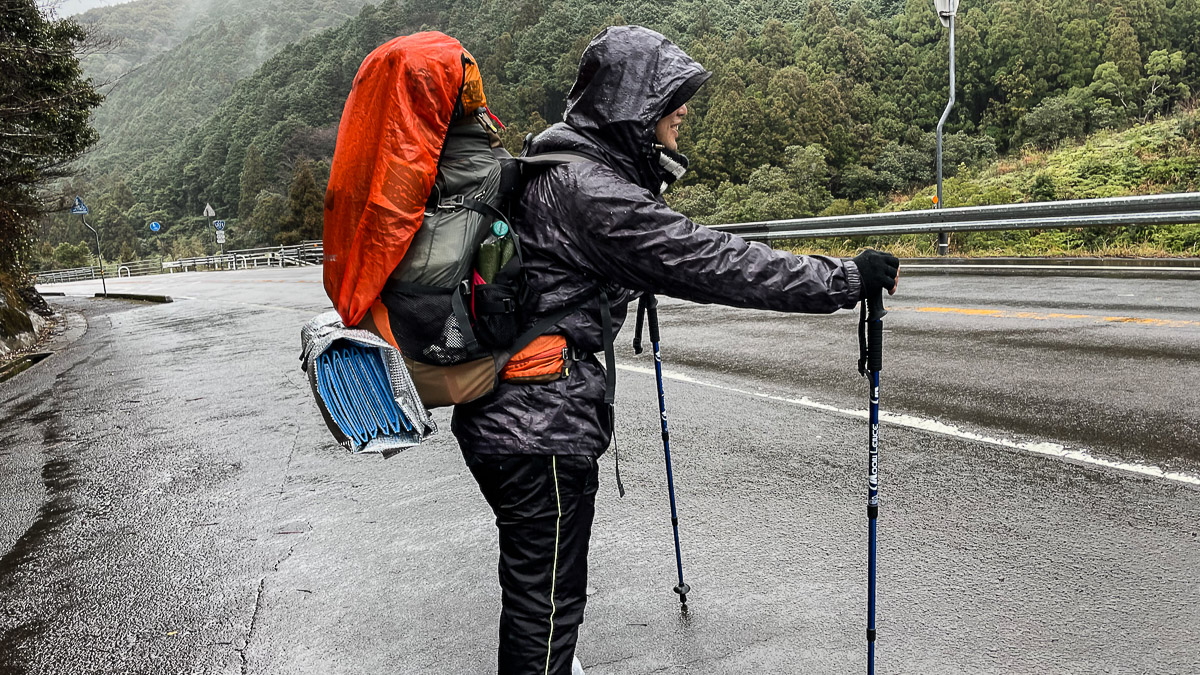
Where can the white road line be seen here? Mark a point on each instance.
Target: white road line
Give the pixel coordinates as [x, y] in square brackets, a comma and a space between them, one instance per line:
[1044, 449]
[1061, 268]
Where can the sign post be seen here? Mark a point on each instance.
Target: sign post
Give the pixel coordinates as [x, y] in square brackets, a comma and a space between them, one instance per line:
[155, 227]
[209, 213]
[220, 227]
[81, 210]
[946, 11]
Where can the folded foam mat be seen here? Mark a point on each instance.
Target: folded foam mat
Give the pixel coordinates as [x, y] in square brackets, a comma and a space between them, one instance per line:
[395, 417]
[359, 397]
[362, 387]
[364, 392]
[388, 416]
[332, 405]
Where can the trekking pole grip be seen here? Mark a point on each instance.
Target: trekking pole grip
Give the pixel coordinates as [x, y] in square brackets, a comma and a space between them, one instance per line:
[875, 313]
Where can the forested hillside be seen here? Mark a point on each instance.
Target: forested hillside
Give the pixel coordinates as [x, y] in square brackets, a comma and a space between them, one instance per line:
[138, 31]
[1153, 158]
[176, 60]
[814, 106]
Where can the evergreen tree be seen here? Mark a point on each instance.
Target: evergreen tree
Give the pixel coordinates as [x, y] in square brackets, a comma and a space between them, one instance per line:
[44, 106]
[112, 216]
[254, 179]
[1081, 49]
[1123, 49]
[262, 225]
[304, 211]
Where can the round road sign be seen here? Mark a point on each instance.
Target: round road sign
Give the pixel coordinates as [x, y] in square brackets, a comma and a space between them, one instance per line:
[155, 227]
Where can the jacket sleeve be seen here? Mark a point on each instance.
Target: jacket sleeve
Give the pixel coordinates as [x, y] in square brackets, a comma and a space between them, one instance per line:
[626, 235]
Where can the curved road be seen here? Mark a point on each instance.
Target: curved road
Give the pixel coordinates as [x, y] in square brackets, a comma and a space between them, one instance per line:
[173, 502]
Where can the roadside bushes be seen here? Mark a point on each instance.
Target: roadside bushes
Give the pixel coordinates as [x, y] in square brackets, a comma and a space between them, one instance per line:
[1053, 120]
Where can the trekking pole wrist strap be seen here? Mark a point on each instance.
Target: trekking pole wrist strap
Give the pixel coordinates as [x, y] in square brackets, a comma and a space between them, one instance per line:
[652, 316]
[610, 356]
[862, 339]
[637, 327]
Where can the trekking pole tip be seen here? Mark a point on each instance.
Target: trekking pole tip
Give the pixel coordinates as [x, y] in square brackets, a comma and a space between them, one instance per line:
[683, 589]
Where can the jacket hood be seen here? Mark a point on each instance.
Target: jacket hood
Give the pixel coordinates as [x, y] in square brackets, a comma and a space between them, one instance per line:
[629, 77]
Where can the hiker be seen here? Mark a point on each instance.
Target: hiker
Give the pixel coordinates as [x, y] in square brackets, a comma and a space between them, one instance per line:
[598, 232]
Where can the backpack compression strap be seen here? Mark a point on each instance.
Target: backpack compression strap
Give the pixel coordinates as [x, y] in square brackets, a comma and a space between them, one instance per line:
[610, 380]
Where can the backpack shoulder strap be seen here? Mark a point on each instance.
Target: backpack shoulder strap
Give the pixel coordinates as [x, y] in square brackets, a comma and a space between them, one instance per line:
[547, 160]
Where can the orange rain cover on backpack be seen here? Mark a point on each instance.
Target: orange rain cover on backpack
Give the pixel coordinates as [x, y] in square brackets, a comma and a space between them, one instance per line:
[390, 137]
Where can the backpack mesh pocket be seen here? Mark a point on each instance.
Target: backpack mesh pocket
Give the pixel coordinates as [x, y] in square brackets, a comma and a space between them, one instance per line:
[426, 325]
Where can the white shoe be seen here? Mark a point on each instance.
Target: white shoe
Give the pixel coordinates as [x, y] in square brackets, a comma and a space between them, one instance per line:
[576, 667]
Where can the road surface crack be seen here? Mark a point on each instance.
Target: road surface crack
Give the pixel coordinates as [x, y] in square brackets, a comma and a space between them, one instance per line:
[262, 582]
[258, 605]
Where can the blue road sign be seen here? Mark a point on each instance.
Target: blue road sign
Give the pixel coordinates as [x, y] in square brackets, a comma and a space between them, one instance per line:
[155, 227]
[79, 209]
[219, 224]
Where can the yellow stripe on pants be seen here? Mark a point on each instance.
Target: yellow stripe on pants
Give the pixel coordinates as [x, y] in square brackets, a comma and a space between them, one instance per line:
[554, 569]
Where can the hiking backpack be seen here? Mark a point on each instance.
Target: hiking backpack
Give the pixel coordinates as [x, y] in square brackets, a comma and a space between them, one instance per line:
[418, 249]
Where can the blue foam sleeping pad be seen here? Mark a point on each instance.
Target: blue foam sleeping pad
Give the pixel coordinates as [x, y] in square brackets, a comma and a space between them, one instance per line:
[353, 383]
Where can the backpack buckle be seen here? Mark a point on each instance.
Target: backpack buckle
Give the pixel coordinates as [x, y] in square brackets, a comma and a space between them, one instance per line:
[452, 203]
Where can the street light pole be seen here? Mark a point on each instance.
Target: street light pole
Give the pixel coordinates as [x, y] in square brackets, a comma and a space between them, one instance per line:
[99, 257]
[946, 10]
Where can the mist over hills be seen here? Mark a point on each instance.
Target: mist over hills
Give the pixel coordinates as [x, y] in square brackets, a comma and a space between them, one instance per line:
[177, 60]
[814, 106]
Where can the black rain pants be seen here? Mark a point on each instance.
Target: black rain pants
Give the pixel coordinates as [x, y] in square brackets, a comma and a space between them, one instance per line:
[544, 506]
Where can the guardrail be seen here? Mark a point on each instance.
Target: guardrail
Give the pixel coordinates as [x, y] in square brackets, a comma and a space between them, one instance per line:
[302, 254]
[1170, 209]
[61, 276]
[135, 268]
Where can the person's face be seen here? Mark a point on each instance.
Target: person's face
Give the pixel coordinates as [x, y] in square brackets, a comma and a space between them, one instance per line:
[667, 129]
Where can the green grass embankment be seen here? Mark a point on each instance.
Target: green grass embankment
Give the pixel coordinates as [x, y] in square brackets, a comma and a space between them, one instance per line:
[1155, 158]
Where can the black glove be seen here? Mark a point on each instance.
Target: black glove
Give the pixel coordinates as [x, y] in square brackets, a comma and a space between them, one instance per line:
[878, 271]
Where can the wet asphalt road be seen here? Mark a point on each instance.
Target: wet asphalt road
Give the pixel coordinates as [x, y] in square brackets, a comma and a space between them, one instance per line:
[173, 504]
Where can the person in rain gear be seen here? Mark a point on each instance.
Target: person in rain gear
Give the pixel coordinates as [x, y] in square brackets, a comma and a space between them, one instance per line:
[602, 225]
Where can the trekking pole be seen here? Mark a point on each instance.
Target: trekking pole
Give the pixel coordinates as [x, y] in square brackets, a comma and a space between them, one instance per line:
[870, 362]
[648, 306]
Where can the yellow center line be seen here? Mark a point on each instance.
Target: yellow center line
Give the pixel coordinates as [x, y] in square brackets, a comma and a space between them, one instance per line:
[1046, 316]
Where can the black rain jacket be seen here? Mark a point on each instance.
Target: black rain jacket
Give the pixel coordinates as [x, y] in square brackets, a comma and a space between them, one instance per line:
[603, 224]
